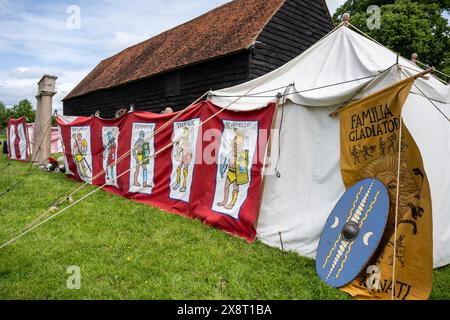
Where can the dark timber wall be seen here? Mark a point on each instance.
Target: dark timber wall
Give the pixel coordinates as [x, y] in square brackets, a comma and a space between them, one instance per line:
[294, 28]
[151, 94]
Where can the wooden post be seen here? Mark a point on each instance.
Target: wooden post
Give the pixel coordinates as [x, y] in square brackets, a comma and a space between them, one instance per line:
[346, 19]
[414, 57]
[43, 122]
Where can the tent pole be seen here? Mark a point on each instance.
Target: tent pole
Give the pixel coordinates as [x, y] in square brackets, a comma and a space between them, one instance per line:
[397, 197]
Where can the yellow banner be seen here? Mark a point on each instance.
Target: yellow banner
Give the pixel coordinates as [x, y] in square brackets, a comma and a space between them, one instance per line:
[370, 148]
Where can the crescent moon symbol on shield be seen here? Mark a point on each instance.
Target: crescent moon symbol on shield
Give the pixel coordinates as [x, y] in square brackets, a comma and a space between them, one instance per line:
[336, 223]
[367, 237]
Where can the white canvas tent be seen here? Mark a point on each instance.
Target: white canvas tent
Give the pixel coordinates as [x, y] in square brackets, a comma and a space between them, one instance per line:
[296, 205]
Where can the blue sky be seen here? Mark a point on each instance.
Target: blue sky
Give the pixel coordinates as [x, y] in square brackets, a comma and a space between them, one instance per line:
[36, 38]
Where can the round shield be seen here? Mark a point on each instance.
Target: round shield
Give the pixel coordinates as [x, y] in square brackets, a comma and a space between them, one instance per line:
[352, 232]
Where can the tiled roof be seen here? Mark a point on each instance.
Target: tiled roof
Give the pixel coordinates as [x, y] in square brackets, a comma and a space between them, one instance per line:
[224, 30]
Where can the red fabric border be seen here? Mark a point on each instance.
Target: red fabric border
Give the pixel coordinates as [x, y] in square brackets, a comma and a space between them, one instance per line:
[204, 176]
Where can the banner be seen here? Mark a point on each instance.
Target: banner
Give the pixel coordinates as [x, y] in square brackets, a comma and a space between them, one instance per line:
[17, 139]
[212, 172]
[55, 146]
[370, 147]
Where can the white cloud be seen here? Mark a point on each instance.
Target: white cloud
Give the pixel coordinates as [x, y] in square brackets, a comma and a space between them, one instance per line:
[21, 83]
[13, 90]
[34, 38]
[26, 73]
[121, 40]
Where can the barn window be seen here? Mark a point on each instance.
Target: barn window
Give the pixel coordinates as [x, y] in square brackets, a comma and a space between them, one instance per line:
[173, 85]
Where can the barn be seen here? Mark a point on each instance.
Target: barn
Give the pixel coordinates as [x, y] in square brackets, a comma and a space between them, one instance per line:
[236, 42]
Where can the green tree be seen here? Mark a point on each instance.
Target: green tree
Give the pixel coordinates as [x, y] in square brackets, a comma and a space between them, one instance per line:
[407, 26]
[4, 116]
[357, 6]
[24, 109]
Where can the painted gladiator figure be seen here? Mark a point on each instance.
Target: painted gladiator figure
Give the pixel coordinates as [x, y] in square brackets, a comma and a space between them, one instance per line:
[110, 154]
[183, 154]
[80, 151]
[237, 170]
[141, 152]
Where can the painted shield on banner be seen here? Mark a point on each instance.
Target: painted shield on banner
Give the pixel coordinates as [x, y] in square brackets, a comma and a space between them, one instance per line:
[352, 232]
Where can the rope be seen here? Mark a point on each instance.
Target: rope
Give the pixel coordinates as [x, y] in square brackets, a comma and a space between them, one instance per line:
[369, 37]
[125, 172]
[122, 157]
[277, 166]
[59, 200]
[5, 167]
[336, 112]
[335, 84]
[302, 91]
[253, 95]
[72, 186]
[47, 127]
[429, 99]
[67, 196]
[29, 172]
[440, 72]
[414, 70]
[53, 206]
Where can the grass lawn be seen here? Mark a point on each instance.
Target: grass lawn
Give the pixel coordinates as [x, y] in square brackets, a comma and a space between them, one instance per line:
[132, 251]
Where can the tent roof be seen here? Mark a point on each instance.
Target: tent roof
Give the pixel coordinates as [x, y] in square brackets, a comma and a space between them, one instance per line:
[310, 156]
[227, 29]
[343, 55]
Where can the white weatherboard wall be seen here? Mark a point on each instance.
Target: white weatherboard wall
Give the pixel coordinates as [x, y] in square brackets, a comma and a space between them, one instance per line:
[298, 203]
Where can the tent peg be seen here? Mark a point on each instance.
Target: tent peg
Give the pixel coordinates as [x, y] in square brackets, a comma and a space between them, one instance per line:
[281, 241]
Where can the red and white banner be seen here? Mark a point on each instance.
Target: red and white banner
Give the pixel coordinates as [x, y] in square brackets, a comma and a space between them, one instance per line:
[212, 172]
[55, 145]
[17, 139]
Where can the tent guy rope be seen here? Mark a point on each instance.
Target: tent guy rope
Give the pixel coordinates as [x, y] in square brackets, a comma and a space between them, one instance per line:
[427, 66]
[429, 99]
[398, 55]
[336, 112]
[418, 75]
[123, 173]
[30, 170]
[299, 91]
[126, 154]
[66, 196]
